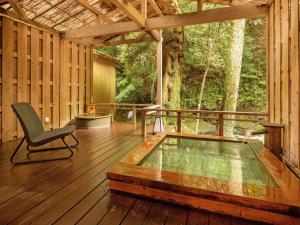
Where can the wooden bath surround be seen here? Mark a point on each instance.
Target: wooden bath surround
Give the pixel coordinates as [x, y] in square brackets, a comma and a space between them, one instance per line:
[276, 205]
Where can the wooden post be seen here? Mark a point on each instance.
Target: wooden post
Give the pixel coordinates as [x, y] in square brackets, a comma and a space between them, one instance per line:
[273, 138]
[179, 120]
[199, 5]
[134, 114]
[159, 99]
[144, 128]
[221, 124]
[113, 110]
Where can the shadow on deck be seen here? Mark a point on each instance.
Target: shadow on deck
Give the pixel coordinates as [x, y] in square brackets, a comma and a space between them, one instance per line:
[76, 190]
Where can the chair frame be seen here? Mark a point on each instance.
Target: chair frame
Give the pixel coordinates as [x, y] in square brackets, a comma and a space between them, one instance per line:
[67, 146]
[27, 116]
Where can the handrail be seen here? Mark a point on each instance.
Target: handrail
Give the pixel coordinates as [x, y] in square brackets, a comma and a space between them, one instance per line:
[123, 106]
[211, 112]
[221, 117]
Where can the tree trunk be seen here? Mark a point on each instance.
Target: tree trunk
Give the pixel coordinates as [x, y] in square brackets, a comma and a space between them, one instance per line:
[200, 96]
[233, 71]
[172, 57]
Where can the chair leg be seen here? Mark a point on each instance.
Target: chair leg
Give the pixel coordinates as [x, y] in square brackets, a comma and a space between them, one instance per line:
[67, 147]
[16, 150]
[75, 139]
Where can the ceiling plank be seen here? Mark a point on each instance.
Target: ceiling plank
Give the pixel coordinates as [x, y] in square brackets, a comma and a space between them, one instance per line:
[130, 11]
[155, 7]
[201, 17]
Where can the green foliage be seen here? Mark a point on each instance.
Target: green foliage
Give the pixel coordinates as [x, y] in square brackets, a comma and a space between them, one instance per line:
[135, 71]
[137, 66]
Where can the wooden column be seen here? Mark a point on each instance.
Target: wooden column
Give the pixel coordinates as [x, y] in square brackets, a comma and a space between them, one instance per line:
[199, 5]
[221, 124]
[273, 138]
[159, 99]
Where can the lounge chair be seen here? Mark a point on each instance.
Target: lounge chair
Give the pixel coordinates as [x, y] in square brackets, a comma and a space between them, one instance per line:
[35, 135]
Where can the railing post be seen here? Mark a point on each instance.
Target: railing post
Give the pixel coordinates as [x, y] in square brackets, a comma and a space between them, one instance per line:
[221, 124]
[144, 128]
[113, 112]
[179, 120]
[134, 114]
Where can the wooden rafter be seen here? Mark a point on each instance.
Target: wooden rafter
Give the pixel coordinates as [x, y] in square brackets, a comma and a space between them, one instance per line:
[122, 42]
[89, 7]
[202, 17]
[130, 11]
[16, 6]
[155, 7]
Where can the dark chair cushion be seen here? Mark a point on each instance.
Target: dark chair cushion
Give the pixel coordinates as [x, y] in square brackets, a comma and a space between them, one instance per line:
[46, 137]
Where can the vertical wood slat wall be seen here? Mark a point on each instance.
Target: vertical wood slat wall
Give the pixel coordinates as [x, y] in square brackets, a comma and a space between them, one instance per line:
[75, 79]
[104, 79]
[283, 82]
[32, 70]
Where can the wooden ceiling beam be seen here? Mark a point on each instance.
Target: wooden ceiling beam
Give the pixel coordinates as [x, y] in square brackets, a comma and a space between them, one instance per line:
[155, 7]
[155, 34]
[201, 17]
[86, 5]
[16, 6]
[122, 42]
[89, 7]
[130, 11]
[237, 2]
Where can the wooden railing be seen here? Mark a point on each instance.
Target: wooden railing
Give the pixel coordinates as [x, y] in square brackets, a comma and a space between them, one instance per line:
[112, 107]
[219, 116]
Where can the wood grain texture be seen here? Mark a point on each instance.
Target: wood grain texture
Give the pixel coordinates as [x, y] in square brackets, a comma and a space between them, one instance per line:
[75, 191]
[283, 75]
[7, 79]
[35, 71]
[104, 79]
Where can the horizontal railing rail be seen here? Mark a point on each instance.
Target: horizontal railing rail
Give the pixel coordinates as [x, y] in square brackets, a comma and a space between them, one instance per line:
[112, 107]
[219, 116]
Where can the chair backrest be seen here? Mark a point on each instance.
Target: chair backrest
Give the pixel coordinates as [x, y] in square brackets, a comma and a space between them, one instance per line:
[30, 122]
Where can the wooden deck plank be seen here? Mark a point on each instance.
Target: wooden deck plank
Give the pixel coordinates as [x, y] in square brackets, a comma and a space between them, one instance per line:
[63, 179]
[177, 216]
[215, 219]
[76, 191]
[43, 171]
[158, 214]
[118, 211]
[138, 214]
[99, 210]
[197, 217]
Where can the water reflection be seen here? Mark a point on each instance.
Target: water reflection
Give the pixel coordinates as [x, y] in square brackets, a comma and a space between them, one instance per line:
[224, 160]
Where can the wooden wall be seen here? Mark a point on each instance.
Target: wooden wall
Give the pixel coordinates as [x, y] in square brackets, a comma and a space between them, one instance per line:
[75, 79]
[283, 70]
[31, 71]
[104, 79]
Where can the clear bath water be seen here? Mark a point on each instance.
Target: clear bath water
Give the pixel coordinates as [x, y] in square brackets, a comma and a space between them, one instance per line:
[225, 160]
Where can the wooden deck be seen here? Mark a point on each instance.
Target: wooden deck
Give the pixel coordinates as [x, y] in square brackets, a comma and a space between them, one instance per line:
[76, 191]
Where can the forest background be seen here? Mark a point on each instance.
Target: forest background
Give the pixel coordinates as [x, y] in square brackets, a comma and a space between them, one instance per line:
[217, 66]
